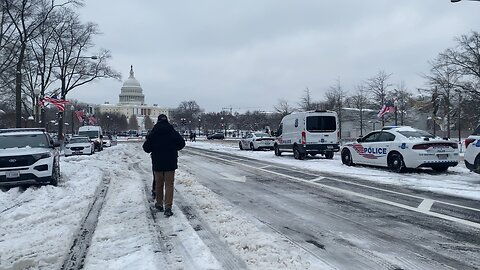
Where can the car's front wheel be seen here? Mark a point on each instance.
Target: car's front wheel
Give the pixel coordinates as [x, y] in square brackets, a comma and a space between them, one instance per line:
[277, 150]
[396, 163]
[347, 157]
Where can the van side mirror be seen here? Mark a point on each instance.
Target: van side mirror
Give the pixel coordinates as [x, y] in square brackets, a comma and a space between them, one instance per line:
[360, 139]
[101, 136]
[274, 133]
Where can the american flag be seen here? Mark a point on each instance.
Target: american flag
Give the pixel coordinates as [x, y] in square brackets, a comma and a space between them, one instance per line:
[80, 115]
[59, 103]
[92, 120]
[387, 108]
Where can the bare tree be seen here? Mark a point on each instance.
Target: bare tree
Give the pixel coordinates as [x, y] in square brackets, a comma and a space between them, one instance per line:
[443, 79]
[283, 108]
[359, 101]
[306, 103]
[335, 100]
[465, 59]
[75, 38]
[27, 16]
[403, 100]
[379, 87]
[187, 110]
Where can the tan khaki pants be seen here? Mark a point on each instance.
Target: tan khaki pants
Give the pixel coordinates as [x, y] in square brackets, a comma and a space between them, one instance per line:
[164, 179]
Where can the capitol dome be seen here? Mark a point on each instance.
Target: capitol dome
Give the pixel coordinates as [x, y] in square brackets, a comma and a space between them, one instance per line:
[131, 92]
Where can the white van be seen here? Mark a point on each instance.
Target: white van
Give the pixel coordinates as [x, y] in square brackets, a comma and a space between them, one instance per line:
[94, 133]
[311, 132]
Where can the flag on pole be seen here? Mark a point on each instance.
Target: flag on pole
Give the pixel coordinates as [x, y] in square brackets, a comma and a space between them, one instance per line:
[79, 115]
[386, 108]
[59, 103]
[92, 120]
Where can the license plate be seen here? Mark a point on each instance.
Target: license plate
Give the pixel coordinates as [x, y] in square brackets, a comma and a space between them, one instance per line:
[12, 174]
[442, 156]
[77, 152]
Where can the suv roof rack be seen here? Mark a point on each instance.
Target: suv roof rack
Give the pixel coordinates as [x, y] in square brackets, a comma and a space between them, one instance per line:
[21, 130]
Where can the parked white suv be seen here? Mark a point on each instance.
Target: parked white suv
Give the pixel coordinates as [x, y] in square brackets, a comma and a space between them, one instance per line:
[28, 156]
[472, 154]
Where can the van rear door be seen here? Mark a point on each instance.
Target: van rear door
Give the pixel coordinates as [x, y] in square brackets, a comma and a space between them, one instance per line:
[321, 129]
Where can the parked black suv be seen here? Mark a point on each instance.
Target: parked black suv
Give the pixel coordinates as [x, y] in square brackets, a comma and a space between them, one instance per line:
[28, 156]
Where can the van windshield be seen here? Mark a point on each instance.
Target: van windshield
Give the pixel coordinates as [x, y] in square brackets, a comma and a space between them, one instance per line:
[321, 123]
[92, 134]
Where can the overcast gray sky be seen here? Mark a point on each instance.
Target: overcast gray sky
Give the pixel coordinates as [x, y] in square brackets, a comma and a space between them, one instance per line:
[249, 54]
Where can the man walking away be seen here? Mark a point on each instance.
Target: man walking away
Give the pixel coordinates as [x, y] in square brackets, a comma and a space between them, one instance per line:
[164, 142]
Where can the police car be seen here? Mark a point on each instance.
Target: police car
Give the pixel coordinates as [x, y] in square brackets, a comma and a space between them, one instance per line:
[472, 154]
[79, 146]
[28, 156]
[399, 148]
[255, 141]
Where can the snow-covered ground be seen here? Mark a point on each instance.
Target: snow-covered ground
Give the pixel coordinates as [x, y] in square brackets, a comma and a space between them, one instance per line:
[39, 224]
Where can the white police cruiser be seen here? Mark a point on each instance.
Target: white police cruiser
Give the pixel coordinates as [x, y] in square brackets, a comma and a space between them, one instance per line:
[472, 154]
[79, 146]
[399, 148]
[28, 156]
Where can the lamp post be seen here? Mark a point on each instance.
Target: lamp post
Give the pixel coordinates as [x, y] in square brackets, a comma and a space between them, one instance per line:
[36, 104]
[223, 126]
[199, 124]
[73, 111]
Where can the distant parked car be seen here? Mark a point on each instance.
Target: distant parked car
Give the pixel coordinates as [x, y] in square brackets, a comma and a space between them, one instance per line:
[217, 135]
[256, 141]
[79, 146]
[399, 148]
[472, 154]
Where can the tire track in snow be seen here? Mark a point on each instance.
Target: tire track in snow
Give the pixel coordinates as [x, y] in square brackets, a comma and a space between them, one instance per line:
[78, 251]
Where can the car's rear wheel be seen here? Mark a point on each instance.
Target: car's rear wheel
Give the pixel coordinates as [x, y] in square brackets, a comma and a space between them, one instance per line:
[277, 151]
[252, 147]
[347, 157]
[297, 154]
[396, 163]
[240, 146]
[329, 155]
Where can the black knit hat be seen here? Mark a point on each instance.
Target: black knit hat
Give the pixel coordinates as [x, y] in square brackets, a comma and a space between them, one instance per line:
[162, 118]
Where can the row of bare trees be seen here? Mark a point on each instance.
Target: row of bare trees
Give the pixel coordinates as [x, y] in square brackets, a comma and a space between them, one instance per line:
[44, 45]
[451, 98]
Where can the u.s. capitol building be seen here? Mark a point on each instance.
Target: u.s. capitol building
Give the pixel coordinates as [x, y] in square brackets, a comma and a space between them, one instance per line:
[132, 102]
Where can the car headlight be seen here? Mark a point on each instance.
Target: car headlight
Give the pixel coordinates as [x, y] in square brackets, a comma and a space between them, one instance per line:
[42, 155]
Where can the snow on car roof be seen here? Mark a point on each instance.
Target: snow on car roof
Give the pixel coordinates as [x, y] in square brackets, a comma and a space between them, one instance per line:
[12, 133]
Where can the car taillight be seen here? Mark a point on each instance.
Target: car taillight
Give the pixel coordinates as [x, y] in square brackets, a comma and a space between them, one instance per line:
[468, 141]
[421, 146]
[304, 137]
[433, 145]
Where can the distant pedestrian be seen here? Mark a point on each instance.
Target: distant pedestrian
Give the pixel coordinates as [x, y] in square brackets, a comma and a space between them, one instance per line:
[164, 142]
[194, 136]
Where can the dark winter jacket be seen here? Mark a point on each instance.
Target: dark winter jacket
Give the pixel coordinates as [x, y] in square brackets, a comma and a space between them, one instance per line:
[164, 142]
